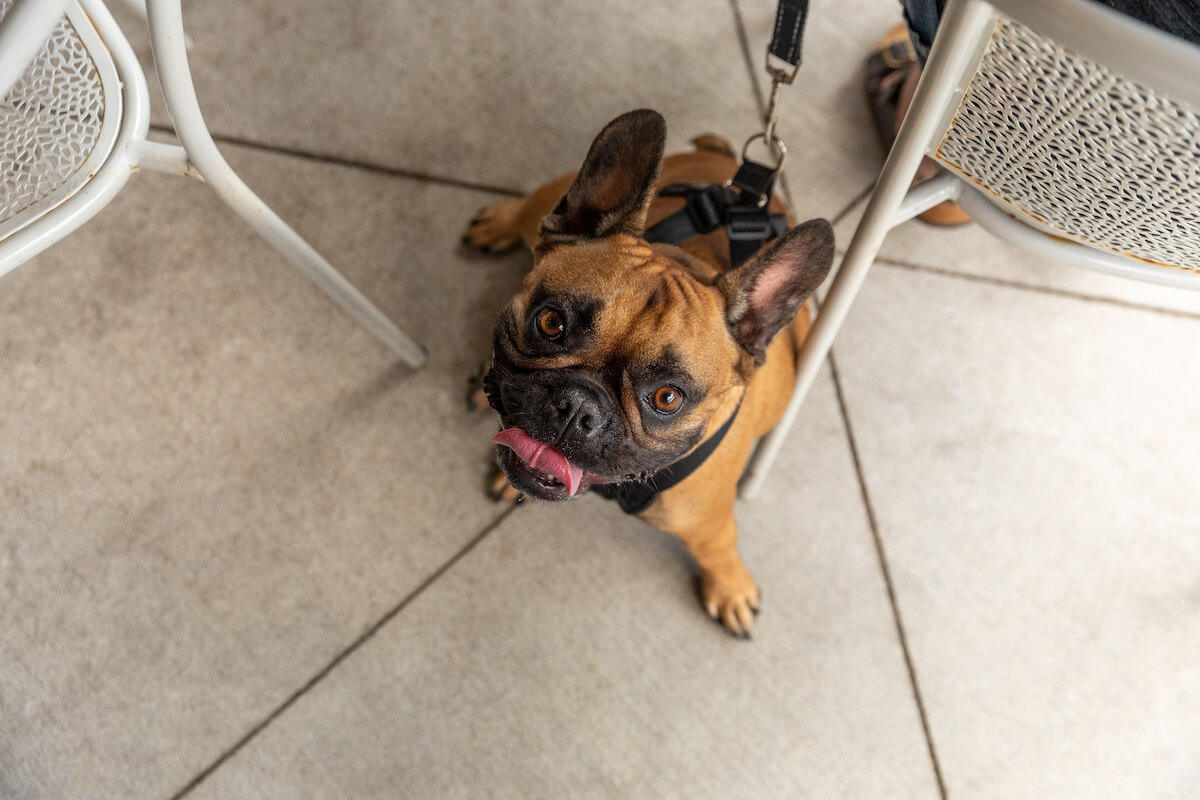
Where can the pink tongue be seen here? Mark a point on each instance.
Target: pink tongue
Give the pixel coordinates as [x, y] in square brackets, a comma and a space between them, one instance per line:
[541, 457]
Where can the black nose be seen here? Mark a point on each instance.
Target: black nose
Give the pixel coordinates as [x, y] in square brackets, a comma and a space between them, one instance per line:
[579, 410]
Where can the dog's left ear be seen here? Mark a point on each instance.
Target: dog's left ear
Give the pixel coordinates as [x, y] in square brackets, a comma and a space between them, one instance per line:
[612, 191]
[763, 295]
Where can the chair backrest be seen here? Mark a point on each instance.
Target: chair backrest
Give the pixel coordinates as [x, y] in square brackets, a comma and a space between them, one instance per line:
[1068, 145]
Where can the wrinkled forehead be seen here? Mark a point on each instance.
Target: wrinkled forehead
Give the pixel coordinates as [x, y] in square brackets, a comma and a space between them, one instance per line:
[644, 307]
[601, 268]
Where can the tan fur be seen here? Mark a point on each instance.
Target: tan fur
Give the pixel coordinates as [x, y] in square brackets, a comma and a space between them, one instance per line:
[624, 272]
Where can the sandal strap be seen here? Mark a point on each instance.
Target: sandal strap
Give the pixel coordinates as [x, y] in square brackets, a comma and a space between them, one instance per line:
[898, 54]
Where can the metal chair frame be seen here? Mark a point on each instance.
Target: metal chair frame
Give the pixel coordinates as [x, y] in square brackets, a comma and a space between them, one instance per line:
[1137, 52]
[123, 146]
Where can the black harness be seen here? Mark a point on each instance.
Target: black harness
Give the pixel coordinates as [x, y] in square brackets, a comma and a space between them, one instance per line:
[635, 497]
[743, 207]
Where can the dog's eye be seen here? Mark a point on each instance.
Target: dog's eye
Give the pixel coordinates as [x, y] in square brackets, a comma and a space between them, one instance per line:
[550, 324]
[667, 399]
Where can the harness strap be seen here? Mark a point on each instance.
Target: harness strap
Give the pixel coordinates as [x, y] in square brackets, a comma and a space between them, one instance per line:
[635, 497]
[709, 206]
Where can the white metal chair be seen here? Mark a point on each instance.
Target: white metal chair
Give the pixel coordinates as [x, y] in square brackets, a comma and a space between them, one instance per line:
[1064, 127]
[74, 114]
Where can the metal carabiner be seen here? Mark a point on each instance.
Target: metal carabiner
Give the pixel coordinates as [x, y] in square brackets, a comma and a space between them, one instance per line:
[780, 77]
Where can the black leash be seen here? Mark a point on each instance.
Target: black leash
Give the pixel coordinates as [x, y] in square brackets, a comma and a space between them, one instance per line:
[790, 17]
[743, 207]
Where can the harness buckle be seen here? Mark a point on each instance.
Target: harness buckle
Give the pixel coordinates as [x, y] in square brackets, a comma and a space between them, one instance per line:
[705, 210]
[748, 223]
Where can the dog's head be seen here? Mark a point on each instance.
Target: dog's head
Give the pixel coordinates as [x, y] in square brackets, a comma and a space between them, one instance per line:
[618, 356]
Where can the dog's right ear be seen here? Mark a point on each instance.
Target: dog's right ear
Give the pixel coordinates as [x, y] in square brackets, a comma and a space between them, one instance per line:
[612, 192]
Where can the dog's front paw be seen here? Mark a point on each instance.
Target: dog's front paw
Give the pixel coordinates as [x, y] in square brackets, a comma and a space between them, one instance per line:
[477, 399]
[494, 229]
[730, 596]
[502, 491]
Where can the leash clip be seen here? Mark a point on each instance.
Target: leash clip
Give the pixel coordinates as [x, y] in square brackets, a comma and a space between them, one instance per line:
[783, 65]
[785, 74]
[779, 79]
[773, 143]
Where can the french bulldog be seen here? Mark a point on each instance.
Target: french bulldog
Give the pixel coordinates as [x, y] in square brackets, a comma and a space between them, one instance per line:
[620, 360]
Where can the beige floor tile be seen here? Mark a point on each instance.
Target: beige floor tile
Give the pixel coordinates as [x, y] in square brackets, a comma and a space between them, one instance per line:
[213, 481]
[973, 251]
[833, 151]
[1032, 463]
[500, 94]
[567, 656]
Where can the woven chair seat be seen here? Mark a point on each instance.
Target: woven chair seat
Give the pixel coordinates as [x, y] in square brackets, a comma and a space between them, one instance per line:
[1079, 152]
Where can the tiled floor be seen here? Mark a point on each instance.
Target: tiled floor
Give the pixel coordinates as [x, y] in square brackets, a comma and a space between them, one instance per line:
[245, 555]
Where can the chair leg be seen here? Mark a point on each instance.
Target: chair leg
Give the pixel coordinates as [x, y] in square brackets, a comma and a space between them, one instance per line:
[23, 34]
[170, 58]
[868, 238]
[965, 23]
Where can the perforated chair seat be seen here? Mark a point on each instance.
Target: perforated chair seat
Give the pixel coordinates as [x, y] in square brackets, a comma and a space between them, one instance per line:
[53, 131]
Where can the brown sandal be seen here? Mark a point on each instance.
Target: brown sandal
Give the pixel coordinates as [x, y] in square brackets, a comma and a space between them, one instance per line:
[892, 64]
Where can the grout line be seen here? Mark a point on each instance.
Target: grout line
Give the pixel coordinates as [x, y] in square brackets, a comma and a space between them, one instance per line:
[760, 101]
[744, 41]
[858, 198]
[785, 188]
[1011, 284]
[887, 578]
[340, 657]
[381, 169]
